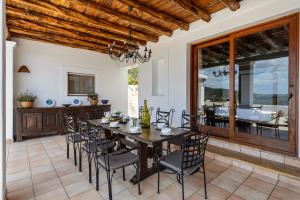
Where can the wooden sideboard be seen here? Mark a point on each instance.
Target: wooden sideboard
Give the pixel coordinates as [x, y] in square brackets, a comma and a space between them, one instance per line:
[41, 121]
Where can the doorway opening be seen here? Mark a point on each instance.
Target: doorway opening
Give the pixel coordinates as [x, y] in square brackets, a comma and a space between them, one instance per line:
[133, 92]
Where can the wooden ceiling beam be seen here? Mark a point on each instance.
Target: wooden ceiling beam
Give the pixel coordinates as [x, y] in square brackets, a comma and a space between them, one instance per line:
[55, 38]
[39, 18]
[193, 9]
[156, 14]
[7, 33]
[79, 18]
[48, 29]
[231, 4]
[57, 43]
[97, 10]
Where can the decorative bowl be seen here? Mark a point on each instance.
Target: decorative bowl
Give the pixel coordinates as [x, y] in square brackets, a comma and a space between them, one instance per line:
[104, 102]
[50, 102]
[76, 102]
[66, 104]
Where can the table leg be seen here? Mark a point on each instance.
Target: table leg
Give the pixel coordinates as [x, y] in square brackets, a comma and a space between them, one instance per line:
[144, 170]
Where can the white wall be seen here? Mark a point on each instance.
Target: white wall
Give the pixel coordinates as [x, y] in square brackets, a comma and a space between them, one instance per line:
[48, 65]
[175, 50]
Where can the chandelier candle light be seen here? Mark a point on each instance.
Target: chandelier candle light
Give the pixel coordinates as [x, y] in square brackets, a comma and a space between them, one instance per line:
[130, 49]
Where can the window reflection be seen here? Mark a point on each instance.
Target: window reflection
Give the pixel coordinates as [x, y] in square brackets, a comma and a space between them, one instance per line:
[261, 83]
[213, 85]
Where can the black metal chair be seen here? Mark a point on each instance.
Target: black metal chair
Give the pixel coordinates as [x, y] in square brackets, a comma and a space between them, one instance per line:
[275, 125]
[164, 116]
[72, 135]
[187, 161]
[90, 144]
[127, 154]
[95, 114]
[185, 124]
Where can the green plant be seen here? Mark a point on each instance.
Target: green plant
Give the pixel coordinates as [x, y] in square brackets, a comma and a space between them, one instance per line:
[93, 96]
[26, 97]
[133, 76]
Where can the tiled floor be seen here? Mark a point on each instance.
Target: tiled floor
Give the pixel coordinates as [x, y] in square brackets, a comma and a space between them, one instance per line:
[38, 169]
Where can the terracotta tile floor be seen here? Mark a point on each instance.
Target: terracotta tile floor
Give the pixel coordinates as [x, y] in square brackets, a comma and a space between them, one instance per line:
[38, 169]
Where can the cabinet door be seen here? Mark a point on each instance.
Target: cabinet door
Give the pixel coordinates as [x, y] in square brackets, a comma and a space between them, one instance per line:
[51, 121]
[32, 122]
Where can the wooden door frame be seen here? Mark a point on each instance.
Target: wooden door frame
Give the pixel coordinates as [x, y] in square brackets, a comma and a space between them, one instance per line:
[293, 21]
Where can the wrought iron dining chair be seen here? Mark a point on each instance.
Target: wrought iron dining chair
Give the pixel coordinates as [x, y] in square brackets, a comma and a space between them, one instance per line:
[95, 114]
[126, 155]
[72, 135]
[185, 125]
[164, 116]
[275, 125]
[91, 144]
[187, 161]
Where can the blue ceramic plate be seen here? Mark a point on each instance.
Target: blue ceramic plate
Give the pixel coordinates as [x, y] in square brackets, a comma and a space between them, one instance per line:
[50, 102]
[76, 102]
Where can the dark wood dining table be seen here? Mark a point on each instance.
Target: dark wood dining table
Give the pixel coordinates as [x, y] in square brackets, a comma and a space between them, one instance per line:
[149, 140]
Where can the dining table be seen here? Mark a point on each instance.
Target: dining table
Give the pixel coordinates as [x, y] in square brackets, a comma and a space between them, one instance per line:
[149, 141]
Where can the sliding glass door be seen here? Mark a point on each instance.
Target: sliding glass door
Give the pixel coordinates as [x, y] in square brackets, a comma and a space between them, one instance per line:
[213, 86]
[246, 85]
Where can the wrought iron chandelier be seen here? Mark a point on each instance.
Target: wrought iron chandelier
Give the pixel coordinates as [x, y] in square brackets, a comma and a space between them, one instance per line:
[130, 48]
[222, 73]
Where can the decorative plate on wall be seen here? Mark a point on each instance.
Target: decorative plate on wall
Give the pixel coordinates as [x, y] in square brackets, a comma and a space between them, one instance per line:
[50, 102]
[76, 102]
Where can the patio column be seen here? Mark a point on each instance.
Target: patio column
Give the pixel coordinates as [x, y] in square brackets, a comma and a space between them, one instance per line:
[9, 89]
[2, 103]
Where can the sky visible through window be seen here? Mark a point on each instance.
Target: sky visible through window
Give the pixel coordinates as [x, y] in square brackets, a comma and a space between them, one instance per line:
[269, 77]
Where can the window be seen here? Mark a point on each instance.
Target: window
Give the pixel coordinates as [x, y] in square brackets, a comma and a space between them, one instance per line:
[80, 84]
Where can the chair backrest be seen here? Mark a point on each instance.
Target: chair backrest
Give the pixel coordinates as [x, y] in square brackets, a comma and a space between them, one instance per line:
[164, 116]
[185, 120]
[95, 114]
[69, 124]
[194, 149]
[279, 114]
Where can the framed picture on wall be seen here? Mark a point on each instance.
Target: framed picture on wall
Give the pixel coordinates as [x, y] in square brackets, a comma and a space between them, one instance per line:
[80, 84]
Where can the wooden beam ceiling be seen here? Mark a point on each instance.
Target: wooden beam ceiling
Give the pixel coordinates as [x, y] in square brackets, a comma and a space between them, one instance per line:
[52, 30]
[193, 9]
[76, 17]
[94, 9]
[33, 17]
[231, 4]
[56, 38]
[94, 24]
[157, 14]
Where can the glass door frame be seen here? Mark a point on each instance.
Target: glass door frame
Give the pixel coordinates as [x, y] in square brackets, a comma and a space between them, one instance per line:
[220, 132]
[286, 147]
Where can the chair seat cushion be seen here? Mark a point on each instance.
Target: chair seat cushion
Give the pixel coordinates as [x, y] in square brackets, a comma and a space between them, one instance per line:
[94, 147]
[118, 159]
[173, 161]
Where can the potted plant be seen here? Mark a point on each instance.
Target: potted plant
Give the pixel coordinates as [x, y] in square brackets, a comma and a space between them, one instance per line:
[26, 99]
[93, 97]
